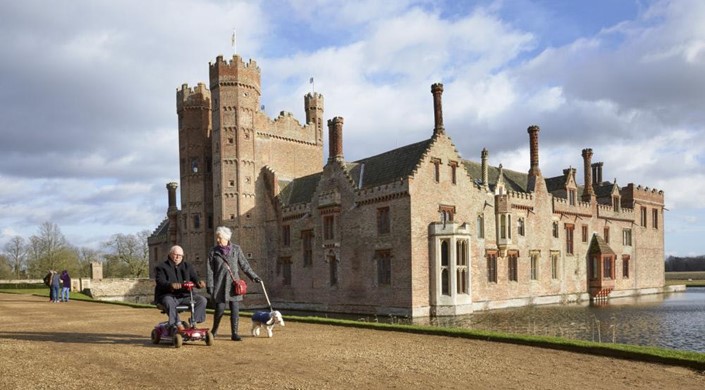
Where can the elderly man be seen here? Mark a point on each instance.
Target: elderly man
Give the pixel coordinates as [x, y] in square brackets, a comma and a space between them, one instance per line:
[169, 291]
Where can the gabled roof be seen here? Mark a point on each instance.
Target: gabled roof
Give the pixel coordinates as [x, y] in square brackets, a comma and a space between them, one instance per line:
[299, 190]
[598, 245]
[557, 183]
[162, 229]
[514, 181]
[389, 166]
[368, 172]
[604, 189]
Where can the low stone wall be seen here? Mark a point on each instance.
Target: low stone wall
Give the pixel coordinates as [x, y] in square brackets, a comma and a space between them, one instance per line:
[123, 290]
[79, 284]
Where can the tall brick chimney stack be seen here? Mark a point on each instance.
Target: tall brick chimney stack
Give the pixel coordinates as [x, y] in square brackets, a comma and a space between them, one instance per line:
[437, 91]
[534, 150]
[588, 192]
[172, 211]
[534, 171]
[335, 139]
[597, 172]
[485, 170]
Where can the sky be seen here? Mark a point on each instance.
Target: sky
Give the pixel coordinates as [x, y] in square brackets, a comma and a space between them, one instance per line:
[88, 125]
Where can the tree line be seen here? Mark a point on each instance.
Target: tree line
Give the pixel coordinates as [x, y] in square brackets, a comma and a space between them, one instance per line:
[685, 264]
[122, 256]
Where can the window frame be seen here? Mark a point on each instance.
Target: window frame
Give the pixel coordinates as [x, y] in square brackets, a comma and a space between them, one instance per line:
[383, 220]
[491, 257]
[569, 238]
[307, 247]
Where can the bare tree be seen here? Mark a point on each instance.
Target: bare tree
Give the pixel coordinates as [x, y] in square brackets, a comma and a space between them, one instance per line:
[86, 256]
[130, 255]
[16, 252]
[47, 250]
[5, 268]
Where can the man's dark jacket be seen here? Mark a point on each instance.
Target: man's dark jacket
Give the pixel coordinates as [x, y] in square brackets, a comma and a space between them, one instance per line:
[167, 273]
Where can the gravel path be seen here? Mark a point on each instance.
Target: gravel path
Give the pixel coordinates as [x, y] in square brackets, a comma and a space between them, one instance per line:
[84, 345]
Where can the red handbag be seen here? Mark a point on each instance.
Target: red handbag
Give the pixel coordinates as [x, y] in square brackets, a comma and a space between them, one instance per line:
[239, 285]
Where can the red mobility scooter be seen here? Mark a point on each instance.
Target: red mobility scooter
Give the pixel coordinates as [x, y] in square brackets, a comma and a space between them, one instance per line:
[164, 332]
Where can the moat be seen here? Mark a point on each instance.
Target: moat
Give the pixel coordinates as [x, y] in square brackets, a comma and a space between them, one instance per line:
[673, 320]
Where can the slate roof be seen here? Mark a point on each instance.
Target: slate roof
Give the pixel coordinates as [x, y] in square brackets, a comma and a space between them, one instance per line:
[400, 163]
[389, 166]
[376, 170]
[513, 180]
[162, 229]
[557, 183]
[604, 189]
[299, 190]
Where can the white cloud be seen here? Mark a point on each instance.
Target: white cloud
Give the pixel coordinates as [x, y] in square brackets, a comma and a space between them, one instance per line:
[89, 117]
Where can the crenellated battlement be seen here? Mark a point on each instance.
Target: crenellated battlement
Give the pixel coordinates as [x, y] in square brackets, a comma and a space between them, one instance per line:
[295, 209]
[638, 193]
[561, 205]
[234, 73]
[607, 211]
[313, 96]
[564, 201]
[235, 63]
[520, 195]
[198, 96]
[285, 114]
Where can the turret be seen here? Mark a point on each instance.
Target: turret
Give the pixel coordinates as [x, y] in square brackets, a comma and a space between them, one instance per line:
[236, 75]
[196, 97]
[313, 104]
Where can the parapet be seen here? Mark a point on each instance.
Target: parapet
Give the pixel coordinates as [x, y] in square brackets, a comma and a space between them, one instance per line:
[199, 95]
[313, 95]
[236, 61]
[637, 192]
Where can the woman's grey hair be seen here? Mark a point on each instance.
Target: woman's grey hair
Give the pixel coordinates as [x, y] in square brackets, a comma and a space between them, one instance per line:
[223, 232]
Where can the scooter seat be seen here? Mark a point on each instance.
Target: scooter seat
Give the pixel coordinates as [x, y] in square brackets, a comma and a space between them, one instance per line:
[179, 308]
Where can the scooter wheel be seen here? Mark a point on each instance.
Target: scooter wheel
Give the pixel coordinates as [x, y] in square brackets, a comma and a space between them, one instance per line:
[178, 340]
[156, 336]
[209, 338]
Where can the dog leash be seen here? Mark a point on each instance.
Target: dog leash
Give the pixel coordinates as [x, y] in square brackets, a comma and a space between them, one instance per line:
[266, 296]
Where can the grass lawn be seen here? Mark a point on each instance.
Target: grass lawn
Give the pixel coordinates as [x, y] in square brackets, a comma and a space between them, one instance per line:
[690, 279]
[44, 292]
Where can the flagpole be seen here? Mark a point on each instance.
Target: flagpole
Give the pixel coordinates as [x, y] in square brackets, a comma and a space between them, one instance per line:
[313, 85]
[233, 42]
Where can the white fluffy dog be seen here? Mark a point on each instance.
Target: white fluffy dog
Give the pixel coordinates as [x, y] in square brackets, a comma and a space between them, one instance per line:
[266, 319]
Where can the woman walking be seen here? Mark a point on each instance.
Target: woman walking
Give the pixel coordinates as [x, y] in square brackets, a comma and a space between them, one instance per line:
[224, 260]
[55, 286]
[65, 285]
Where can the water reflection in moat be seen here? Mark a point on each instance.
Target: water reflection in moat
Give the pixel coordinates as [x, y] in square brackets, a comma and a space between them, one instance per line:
[674, 320]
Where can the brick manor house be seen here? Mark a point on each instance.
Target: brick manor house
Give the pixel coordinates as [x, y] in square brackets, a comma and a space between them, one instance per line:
[416, 231]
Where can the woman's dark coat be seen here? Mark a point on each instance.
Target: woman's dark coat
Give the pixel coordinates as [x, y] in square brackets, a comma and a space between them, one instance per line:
[220, 284]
